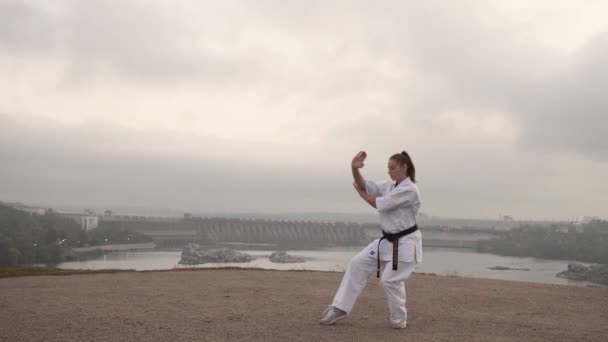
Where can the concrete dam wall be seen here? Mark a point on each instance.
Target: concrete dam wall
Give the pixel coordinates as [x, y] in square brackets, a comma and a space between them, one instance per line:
[177, 232]
[248, 231]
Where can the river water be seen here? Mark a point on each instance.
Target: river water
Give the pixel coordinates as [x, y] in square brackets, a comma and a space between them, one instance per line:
[440, 261]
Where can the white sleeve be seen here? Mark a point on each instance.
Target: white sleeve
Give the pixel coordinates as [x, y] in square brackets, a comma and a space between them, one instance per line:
[374, 188]
[396, 199]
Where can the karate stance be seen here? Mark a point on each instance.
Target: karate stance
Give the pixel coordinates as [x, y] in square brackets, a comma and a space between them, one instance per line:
[394, 256]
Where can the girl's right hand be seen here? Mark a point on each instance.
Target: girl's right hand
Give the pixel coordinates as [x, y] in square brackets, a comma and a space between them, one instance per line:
[358, 160]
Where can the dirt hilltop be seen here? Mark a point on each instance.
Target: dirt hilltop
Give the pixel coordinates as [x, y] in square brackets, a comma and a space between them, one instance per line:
[260, 305]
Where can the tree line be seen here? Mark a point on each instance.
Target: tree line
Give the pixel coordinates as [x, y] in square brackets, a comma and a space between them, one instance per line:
[585, 243]
[43, 239]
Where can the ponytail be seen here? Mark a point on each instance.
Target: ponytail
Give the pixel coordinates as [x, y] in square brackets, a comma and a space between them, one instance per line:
[404, 158]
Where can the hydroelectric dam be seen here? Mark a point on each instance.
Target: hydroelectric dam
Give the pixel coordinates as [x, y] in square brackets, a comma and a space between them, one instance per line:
[176, 232]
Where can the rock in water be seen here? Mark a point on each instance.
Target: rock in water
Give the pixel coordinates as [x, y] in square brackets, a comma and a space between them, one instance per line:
[594, 273]
[284, 258]
[193, 254]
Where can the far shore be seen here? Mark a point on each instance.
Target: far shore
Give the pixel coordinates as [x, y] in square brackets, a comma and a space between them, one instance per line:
[116, 247]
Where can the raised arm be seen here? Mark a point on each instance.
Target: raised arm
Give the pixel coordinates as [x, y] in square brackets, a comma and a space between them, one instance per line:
[357, 164]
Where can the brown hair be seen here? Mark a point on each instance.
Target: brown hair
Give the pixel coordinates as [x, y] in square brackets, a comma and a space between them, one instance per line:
[404, 158]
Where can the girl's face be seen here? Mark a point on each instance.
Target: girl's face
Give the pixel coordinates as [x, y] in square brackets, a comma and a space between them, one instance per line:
[396, 171]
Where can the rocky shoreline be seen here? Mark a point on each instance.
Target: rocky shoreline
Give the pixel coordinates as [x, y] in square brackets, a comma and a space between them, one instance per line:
[284, 258]
[193, 254]
[596, 273]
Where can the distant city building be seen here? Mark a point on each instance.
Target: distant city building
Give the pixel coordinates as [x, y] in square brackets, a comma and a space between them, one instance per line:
[587, 219]
[87, 220]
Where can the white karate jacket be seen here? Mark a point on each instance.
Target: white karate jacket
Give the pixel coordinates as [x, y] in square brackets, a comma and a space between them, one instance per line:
[398, 207]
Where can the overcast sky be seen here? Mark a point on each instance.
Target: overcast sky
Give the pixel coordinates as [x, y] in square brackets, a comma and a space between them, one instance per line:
[259, 106]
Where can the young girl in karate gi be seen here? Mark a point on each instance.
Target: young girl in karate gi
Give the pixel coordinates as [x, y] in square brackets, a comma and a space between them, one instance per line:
[393, 257]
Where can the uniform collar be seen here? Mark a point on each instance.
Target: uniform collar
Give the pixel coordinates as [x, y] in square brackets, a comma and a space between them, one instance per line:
[406, 181]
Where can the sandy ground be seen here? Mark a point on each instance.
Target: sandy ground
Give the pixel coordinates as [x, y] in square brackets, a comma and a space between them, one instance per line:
[256, 305]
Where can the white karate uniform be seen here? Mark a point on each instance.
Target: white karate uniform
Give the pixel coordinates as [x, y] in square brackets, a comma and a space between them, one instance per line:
[398, 207]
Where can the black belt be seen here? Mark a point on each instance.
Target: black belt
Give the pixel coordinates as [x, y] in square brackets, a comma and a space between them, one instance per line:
[394, 238]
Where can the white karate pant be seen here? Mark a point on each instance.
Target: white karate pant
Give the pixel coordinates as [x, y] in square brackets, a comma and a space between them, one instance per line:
[361, 268]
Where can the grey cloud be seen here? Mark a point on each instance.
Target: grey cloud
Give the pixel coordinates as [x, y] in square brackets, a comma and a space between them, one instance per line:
[139, 42]
[557, 103]
[45, 166]
[25, 28]
[444, 42]
[413, 59]
[133, 40]
[48, 163]
[569, 110]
